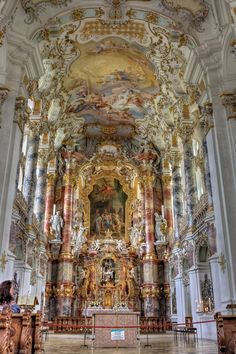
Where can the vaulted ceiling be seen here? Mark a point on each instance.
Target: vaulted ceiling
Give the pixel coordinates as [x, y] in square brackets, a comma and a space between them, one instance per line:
[114, 69]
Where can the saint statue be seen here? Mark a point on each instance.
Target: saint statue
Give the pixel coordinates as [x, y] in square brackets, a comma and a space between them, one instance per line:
[57, 224]
[160, 227]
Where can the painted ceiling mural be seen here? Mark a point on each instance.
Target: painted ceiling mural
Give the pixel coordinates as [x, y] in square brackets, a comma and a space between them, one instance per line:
[109, 84]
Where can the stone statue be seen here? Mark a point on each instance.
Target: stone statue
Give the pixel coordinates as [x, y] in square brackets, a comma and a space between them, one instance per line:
[45, 81]
[160, 227]
[81, 237]
[60, 136]
[54, 110]
[57, 224]
[134, 236]
[120, 246]
[95, 246]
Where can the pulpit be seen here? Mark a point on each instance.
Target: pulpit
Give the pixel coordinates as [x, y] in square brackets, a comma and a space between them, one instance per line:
[115, 329]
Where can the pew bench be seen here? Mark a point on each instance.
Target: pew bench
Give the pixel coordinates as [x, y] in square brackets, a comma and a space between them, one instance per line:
[20, 333]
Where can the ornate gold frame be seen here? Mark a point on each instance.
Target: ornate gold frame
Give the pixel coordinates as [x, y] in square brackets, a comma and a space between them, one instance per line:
[106, 169]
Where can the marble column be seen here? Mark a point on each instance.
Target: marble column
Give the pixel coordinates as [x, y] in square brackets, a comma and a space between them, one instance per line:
[39, 202]
[177, 194]
[150, 278]
[167, 199]
[180, 299]
[65, 268]
[30, 168]
[206, 124]
[189, 179]
[49, 201]
[149, 212]
[10, 147]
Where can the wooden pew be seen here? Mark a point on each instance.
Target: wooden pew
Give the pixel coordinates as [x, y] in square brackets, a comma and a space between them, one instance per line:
[20, 333]
[226, 333]
[6, 342]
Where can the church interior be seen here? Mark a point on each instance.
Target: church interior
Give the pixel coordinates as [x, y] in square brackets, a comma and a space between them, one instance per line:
[117, 168]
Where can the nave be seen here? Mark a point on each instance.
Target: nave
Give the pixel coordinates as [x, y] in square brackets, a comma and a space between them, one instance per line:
[161, 344]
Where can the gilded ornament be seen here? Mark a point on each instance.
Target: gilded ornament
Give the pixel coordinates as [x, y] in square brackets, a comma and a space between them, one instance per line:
[77, 14]
[131, 13]
[51, 178]
[222, 262]
[151, 17]
[4, 91]
[166, 179]
[3, 261]
[2, 35]
[99, 12]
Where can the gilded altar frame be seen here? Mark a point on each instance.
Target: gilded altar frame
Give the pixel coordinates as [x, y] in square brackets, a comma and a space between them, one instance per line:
[90, 173]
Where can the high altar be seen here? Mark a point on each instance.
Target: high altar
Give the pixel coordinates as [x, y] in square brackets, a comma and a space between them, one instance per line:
[106, 258]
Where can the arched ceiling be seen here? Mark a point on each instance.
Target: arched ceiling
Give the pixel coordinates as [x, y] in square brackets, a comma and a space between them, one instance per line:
[114, 69]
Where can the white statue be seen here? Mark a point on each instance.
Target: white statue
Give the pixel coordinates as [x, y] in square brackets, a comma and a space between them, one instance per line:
[60, 136]
[81, 237]
[95, 246]
[160, 227]
[120, 246]
[45, 81]
[134, 236]
[54, 110]
[57, 224]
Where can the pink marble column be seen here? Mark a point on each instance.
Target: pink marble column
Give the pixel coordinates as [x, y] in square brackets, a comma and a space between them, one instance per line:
[167, 197]
[49, 200]
[150, 277]
[67, 208]
[149, 212]
[65, 268]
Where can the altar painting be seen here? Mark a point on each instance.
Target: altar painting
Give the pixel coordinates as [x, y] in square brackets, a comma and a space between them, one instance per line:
[107, 209]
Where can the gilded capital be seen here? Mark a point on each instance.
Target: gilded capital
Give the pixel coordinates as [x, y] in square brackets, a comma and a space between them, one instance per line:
[4, 91]
[51, 177]
[43, 157]
[166, 179]
[229, 101]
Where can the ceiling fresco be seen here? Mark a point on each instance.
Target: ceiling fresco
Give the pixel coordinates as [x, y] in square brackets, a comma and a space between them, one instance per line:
[109, 84]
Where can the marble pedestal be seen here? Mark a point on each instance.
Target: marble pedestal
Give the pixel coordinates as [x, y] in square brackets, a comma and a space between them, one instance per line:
[115, 329]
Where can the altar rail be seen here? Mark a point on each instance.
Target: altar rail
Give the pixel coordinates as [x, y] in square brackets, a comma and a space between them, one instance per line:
[20, 333]
[82, 324]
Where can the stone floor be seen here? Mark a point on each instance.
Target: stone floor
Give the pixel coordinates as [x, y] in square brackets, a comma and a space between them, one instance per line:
[161, 344]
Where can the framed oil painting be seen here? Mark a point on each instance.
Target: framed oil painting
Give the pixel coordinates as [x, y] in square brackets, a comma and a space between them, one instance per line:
[107, 208]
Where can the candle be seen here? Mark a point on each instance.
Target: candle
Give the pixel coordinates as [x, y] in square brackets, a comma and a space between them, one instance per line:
[54, 209]
[163, 211]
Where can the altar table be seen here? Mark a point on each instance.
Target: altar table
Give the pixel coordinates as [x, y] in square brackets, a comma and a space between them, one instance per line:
[112, 329]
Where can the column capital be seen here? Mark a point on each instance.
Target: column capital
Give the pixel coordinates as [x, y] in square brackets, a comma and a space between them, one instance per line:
[4, 91]
[43, 157]
[206, 118]
[166, 179]
[229, 101]
[35, 127]
[51, 178]
[176, 158]
[22, 112]
[186, 130]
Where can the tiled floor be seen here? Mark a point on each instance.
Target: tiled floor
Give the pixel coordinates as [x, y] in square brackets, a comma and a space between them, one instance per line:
[161, 344]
